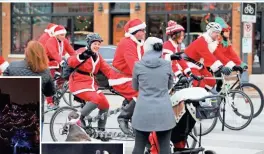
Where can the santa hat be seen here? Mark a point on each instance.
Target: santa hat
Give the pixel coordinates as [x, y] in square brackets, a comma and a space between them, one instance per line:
[59, 30]
[50, 28]
[173, 27]
[133, 26]
[3, 64]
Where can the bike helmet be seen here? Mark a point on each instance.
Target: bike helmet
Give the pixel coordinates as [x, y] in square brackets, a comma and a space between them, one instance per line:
[90, 38]
[213, 27]
[222, 23]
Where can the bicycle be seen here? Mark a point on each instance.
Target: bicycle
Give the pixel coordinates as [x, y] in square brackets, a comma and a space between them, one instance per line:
[228, 91]
[60, 93]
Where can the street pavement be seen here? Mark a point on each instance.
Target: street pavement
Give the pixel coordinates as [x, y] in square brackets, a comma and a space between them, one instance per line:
[247, 141]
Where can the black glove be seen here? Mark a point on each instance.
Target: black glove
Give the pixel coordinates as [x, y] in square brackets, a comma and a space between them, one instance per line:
[225, 70]
[182, 78]
[176, 56]
[86, 54]
[197, 78]
[238, 68]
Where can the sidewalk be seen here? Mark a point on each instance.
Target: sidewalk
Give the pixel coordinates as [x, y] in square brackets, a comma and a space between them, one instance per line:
[258, 80]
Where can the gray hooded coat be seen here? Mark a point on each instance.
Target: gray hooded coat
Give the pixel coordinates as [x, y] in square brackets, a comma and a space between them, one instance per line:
[153, 77]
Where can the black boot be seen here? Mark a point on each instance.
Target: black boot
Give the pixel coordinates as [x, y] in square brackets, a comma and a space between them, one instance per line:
[124, 117]
[101, 126]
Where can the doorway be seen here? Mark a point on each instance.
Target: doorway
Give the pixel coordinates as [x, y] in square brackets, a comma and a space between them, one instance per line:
[258, 46]
[118, 27]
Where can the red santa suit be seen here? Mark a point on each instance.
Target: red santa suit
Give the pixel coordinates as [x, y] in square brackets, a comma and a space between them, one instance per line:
[49, 31]
[56, 50]
[83, 85]
[3, 64]
[170, 47]
[129, 51]
[201, 50]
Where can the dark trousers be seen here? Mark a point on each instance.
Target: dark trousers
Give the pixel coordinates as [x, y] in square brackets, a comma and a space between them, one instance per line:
[142, 140]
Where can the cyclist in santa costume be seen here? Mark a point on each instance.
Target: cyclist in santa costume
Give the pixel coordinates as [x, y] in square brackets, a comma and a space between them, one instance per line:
[179, 65]
[129, 51]
[3, 65]
[49, 31]
[200, 57]
[57, 47]
[82, 82]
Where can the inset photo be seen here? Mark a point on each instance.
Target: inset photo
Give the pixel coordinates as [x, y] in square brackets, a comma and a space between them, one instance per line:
[20, 115]
[82, 148]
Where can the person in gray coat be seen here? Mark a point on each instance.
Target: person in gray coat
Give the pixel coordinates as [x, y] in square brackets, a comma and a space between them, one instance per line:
[153, 77]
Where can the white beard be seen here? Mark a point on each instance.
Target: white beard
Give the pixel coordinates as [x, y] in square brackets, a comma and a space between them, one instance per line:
[212, 45]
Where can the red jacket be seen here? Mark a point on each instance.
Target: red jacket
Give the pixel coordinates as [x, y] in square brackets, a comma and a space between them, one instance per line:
[170, 47]
[200, 51]
[227, 56]
[127, 53]
[44, 38]
[54, 54]
[79, 83]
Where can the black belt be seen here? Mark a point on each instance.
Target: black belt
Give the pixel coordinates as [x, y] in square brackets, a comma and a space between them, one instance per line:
[85, 73]
[192, 61]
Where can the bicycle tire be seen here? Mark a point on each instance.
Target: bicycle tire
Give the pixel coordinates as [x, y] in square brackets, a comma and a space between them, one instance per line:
[210, 129]
[53, 119]
[256, 111]
[249, 119]
[69, 101]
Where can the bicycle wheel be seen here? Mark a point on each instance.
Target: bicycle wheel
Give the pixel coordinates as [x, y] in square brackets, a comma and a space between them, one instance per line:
[207, 126]
[56, 127]
[233, 101]
[70, 101]
[255, 95]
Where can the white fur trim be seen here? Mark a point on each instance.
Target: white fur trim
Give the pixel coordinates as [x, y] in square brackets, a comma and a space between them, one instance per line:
[138, 27]
[187, 70]
[179, 66]
[4, 66]
[167, 57]
[114, 82]
[83, 90]
[230, 64]
[78, 58]
[192, 65]
[177, 73]
[135, 99]
[174, 44]
[52, 29]
[167, 51]
[62, 62]
[128, 34]
[54, 67]
[209, 87]
[63, 31]
[212, 46]
[215, 66]
[207, 37]
[99, 91]
[66, 56]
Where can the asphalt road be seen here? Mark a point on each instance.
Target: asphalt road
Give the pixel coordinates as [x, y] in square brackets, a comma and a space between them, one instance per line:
[247, 141]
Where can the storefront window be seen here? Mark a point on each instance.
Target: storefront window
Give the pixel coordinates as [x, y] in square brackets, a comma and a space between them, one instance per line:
[31, 8]
[157, 7]
[72, 7]
[120, 7]
[30, 19]
[210, 6]
[21, 34]
[156, 26]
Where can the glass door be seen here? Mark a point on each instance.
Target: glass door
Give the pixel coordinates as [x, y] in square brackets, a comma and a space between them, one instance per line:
[258, 48]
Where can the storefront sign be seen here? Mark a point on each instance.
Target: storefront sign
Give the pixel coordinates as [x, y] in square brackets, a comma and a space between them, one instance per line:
[248, 30]
[249, 12]
[246, 45]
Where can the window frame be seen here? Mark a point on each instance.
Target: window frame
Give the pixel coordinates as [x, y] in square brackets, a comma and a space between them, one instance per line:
[188, 12]
[51, 15]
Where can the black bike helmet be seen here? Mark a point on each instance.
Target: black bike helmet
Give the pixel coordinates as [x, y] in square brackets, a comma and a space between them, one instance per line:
[90, 38]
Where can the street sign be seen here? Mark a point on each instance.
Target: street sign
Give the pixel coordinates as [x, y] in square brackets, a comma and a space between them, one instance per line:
[246, 45]
[249, 12]
[248, 30]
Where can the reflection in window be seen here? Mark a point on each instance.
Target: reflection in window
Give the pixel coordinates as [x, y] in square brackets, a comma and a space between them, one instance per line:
[73, 7]
[21, 30]
[31, 8]
[210, 6]
[120, 7]
[156, 26]
[66, 22]
[1, 30]
[180, 19]
[39, 25]
[82, 26]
